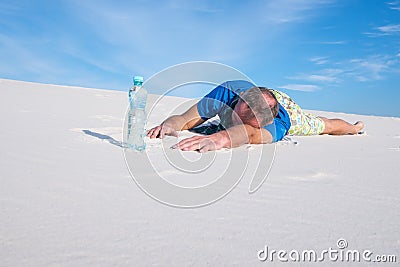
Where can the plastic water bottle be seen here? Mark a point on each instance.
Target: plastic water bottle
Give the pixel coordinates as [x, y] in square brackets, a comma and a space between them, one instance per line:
[137, 115]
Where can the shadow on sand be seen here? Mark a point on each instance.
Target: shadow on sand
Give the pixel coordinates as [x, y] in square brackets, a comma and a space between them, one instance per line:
[104, 137]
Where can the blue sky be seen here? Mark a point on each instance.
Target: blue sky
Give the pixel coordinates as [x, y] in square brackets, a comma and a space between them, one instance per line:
[328, 55]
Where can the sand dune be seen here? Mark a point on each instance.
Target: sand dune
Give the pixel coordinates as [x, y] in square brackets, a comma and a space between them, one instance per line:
[67, 198]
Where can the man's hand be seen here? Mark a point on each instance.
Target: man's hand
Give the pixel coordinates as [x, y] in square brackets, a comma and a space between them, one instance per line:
[170, 126]
[232, 137]
[204, 143]
[161, 131]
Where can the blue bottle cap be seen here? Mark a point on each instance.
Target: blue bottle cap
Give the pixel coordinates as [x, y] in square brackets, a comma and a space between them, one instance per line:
[138, 80]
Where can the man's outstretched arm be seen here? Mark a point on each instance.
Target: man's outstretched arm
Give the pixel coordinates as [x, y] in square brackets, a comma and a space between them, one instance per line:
[233, 137]
[189, 119]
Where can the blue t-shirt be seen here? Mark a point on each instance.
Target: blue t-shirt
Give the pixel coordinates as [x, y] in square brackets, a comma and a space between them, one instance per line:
[224, 98]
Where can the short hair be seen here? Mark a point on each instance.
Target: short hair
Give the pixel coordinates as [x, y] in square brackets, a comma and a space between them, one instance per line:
[263, 104]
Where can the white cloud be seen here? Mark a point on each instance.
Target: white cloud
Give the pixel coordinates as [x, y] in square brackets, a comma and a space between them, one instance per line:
[152, 36]
[333, 42]
[394, 5]
[319, 60]
[324, 76]
[369, 68]
[321, 78]
[301, 87]
[318, 78]
[390, 29]
[285, 11]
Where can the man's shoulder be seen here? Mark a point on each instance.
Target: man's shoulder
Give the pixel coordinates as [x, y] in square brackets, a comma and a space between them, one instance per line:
[229, 90]
[237, 86]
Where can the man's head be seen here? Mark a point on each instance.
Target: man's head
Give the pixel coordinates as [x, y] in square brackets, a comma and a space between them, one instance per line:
[256, 107]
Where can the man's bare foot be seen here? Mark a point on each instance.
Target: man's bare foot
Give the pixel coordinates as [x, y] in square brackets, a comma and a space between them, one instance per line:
[359, 125]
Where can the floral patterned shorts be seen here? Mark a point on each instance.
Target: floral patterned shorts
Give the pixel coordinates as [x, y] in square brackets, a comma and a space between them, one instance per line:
[303, 123]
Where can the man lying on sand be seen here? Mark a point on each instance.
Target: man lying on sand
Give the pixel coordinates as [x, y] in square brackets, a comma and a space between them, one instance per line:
[248, 114]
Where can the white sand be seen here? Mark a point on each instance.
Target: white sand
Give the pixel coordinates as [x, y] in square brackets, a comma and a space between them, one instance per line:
[67, 198]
